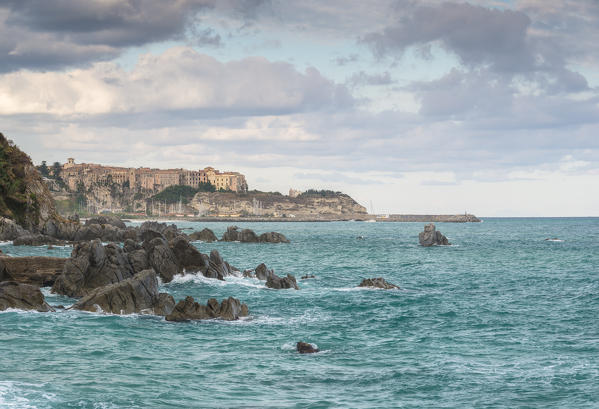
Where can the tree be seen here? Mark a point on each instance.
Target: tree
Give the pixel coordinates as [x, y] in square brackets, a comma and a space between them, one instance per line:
[56, 169]
[43, 169]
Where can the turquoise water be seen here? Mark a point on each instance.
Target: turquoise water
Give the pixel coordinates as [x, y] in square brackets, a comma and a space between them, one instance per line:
[501, 319]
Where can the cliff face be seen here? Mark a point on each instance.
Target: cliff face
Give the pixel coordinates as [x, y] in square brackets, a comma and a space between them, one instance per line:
[24, 196]
[272, 204]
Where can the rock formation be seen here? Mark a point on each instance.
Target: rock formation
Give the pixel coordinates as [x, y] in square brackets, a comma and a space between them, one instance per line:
[217, 267]
[206, 235]
[278, 283]
[91, 266]
[38, 271]
[106, 220]
[188, 257]
[162, 259]
[378, 283]
[273, 237]
[138, 294]
[248, 236]
[230, 309]
[22, 296]
[305, 348]
[432, 237]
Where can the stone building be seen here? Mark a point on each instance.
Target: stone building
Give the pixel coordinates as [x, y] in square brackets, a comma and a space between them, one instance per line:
[84, 175]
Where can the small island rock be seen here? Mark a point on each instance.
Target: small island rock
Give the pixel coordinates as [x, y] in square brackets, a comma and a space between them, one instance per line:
[22, 296]
[377, 283]
[305, 348]
[432, 237]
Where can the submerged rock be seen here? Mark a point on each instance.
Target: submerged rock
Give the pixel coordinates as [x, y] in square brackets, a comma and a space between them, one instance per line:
[230, 309]
[308, 276]
[273, 237]
[305, 348]
[278, 283]
[138, 294]
[377, 283]
[206, 235]
[91, 266]
[22, 296]
[432, 237]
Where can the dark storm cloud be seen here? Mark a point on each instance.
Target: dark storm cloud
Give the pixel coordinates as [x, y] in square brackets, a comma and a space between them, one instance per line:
[40, 34]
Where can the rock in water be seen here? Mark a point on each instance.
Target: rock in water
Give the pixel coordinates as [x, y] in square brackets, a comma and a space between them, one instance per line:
[244, 236]
[91, 266]
[206, 235]
[432, 237]
[305, 348]
[377, 283]
[34, 270]
[230, 309]
[217, 267]
[278, 283]
[188, 257]
[107, 220]
[262, 272]
[138, 294]
[162, 259]
[22, 296]
[273, 237]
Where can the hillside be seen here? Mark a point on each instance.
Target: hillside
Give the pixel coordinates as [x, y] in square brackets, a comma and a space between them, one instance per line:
[24, 196]
[313, 204]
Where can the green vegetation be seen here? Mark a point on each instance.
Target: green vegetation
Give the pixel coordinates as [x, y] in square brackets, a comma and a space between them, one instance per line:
[14, 201]
[173, 194]
[322, 193]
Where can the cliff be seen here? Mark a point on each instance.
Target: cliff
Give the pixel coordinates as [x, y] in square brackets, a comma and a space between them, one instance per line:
[262, 204]
[24, 196]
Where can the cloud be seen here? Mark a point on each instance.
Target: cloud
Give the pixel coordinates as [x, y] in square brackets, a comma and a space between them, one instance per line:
[362, 78]
[180, 79]
[40, 35]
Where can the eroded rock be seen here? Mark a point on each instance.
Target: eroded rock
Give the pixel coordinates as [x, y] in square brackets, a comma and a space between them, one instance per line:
[22, 296]
[206, 235]
[280, 283]
[377, 283]
[432, 237]
[305, 348]
[187, 309]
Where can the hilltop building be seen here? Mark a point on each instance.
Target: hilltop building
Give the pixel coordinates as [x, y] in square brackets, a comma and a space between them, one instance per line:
[84, 175]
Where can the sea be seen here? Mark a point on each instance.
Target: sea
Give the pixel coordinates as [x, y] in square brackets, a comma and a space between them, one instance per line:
[502, 318]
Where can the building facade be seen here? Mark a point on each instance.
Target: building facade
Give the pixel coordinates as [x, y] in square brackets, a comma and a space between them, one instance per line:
[79, 176]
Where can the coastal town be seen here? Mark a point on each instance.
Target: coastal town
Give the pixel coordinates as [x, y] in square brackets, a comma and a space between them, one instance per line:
[77, 175]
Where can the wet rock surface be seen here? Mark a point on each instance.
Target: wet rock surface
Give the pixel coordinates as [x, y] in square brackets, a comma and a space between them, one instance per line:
[229, 309]
[38, 271]
[138, 294]
[432, 237]
[248, 236]
[281, 283]
[22, 296]
[206, 235]
[92, 265]
[377, 283]
[305, 348]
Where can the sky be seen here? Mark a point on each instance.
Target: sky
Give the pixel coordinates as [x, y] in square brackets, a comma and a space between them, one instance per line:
[412, 107]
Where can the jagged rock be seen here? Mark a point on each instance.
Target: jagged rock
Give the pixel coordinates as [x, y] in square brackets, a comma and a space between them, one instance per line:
[73, 218]
[377, 283]
[130, 245]
[249, 273]
[38, 271]
[106, 220]
[91, 266]
[138, 294]
[35, 240]
[138, 260]
[10, 230]
[188, 257]
[22, 296]
[273, 237]
[206, 235]
[150, 229]
[244, 236]
[278, 283]
[62, 230]
[262, 272]
[308, 276]
[230, 309]
[87, 233]
[305, 348]
[130, 233]
[162, 259]
[217, 267]
[432, 237]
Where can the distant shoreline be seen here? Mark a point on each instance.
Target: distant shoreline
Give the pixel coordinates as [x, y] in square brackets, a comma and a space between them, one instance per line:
[468, 218]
